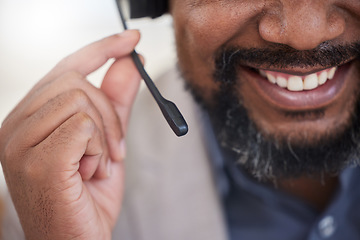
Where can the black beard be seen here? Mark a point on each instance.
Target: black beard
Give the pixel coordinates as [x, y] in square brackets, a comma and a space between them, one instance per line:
[268, 158]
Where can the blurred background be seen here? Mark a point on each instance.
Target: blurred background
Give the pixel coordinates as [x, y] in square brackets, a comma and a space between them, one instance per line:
[36, 34]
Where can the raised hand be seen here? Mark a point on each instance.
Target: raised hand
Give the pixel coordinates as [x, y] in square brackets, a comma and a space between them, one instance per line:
[61, 147]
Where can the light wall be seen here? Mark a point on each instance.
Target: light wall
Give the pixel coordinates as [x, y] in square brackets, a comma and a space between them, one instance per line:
[36, 34]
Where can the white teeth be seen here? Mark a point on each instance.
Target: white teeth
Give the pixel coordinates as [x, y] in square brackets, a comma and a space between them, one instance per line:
[271, 78]
[297, 83]
[262, 73]
[323, 77]
[311, 81]
[282, 82]
[331, 73]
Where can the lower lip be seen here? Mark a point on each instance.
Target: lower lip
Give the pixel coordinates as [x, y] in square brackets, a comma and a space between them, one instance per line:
[303, 100]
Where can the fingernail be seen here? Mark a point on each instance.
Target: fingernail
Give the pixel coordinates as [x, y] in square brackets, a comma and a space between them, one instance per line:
[108, 168]
[123, 148]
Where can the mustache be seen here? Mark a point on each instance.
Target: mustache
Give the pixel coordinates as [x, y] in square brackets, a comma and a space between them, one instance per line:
[281, 56]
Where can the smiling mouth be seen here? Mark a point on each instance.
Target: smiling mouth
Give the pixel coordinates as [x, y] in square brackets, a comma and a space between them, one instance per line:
[299, 83]
[301, 90]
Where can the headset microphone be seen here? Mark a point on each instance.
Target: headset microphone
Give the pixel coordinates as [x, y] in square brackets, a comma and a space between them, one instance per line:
[168, 108]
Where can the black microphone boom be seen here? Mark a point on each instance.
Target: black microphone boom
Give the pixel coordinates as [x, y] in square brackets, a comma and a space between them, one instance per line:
[168, 108]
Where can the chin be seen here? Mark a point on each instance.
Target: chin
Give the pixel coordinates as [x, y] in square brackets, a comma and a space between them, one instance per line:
[310, 143]
[305, 129]
[303, 147]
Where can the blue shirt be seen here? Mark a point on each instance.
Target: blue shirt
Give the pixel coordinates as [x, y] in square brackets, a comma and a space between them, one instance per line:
[255, 211]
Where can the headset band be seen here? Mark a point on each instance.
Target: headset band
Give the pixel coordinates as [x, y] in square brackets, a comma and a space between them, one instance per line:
[148, 8]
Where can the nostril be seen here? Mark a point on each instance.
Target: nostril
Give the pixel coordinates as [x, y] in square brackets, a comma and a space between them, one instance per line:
[336, 25]
[272, 29]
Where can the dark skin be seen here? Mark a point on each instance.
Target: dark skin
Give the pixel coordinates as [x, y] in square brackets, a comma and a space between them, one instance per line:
[315, 192]
[203, 27]
[61, 148]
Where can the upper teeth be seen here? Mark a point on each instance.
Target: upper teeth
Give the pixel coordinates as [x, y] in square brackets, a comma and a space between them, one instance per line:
[299, 83]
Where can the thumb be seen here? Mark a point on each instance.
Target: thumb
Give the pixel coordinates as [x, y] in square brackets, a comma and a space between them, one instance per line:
[121, 84]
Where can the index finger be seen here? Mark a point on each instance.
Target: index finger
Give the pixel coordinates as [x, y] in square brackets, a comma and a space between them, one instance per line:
[93, 56]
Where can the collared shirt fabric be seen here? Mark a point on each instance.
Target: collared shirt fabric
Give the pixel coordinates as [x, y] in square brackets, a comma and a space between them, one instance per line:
[255, 211]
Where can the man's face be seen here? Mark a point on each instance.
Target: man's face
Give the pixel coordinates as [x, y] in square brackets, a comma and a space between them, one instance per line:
[291, 67]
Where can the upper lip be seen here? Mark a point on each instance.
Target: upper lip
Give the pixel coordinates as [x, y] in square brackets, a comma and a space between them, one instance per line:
[298, 71]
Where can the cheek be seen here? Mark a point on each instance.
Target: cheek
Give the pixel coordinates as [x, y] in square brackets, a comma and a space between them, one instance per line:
[195, 54]
[202, 28]
[208, 26]
[200, 33]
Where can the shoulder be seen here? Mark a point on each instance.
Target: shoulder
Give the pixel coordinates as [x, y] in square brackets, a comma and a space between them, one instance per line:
[168, 178]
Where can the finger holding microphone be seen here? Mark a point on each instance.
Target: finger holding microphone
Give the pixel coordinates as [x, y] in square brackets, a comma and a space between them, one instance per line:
[56, 144]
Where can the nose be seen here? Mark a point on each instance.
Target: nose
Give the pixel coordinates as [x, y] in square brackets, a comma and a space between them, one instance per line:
[302, 24]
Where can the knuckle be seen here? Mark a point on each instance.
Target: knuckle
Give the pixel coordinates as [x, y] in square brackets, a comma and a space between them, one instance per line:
[79, 97]
[83, 122]
[12, 152]
[10, 149]
[7, 152]
[82, 102]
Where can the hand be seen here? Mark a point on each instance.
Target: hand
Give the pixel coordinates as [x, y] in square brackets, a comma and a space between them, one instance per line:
[61, 147]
